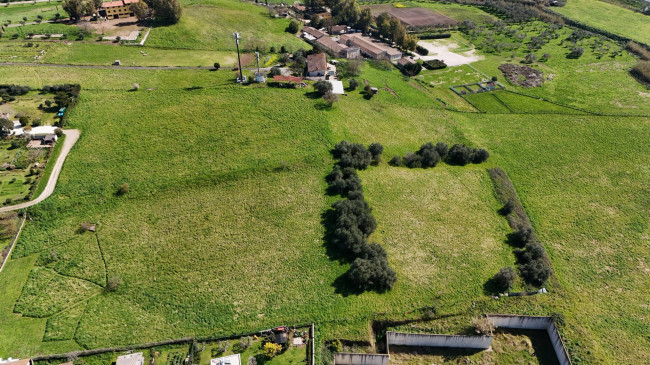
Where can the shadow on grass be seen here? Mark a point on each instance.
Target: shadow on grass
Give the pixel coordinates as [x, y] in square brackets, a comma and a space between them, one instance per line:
[313, 95]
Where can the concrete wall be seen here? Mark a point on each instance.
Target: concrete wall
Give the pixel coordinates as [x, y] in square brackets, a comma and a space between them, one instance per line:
[344, 358]
[534, 323]
[416, 339]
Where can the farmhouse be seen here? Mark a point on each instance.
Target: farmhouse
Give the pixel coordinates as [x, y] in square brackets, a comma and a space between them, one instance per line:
[117, 9]
[227, 360]
[312, 34]
[369, 48]
[130, 359]
[338, 49]
[316, 65]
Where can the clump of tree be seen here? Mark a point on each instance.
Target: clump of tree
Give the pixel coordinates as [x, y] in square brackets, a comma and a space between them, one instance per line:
[576, 52]
[322, 87]
[434, 64]
[294, 27]
[353, 155]
[392, 28]
[642, 70]
[429, 155]
[165, 11]
[14, 90]
[412, 69]
[505, 279]
[352, 219]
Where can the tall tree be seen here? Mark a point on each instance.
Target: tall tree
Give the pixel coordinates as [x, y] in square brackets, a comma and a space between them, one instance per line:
[74, 8]
[140, 9]
[347, 12]
[167, 11]
[383, 24]
[365, 20]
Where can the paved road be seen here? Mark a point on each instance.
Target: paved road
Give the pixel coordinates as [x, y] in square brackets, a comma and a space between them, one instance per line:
[71, 137]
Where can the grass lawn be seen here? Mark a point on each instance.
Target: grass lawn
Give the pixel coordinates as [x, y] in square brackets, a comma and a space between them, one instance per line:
[458, 12]
[14, 13]
[609, 17]
[209, 24]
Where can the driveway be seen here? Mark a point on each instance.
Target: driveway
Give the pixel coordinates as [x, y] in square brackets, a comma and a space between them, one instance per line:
[71, 137]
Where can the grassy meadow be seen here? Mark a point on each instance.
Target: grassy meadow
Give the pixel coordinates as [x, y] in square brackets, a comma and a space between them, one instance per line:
[14, 13]
[610, 17]
[221, 230]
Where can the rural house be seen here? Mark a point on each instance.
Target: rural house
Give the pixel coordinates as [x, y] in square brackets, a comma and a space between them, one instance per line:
[339, 50]
[316, 65]
[117, 9]
[312, 34]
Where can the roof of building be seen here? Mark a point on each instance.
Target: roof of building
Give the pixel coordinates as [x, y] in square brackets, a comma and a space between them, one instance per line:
[404, 61]
[113, 4]
[299, 7]
[338, 28]
[330, 44]
[11, 361]
[368, 46]
[316, 62]
[280, 78]
[227, 360]
[313, 32]
[130, 359]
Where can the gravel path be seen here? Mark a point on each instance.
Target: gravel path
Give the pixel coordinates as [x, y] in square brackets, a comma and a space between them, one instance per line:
[71, 137]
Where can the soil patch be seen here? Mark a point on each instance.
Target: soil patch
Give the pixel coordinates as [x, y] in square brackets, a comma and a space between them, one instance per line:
[522, 75]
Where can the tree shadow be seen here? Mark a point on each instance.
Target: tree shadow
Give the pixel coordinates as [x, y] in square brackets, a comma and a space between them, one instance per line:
[490, 287]
[193, 88]
[322, 106]
[312, 95]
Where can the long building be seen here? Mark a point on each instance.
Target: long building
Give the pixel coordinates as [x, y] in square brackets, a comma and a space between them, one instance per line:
[370, 48]
[117, 9]
[340, 50]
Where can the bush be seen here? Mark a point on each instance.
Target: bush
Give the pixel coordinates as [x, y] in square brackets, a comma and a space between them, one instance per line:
[372, 274]
[357, 214]
[376, 149]
[505, 278]
[354, 84]
[421, 50]
[576, 52]
[507, 208]
[442, 149]
[479, 156]
[483, 326]
[428, 155]
[434, 64]
[330, 98]
[322, 87]
[412, 69]
[113, 283]
[642, 70]
[123, 189]
[352, 155]
[532, 251]
[342, 181]
[459, 155]
[396, 161]
[271, 349]
[535, 272]
[275, 71]
[530, 58]
[293, 27]
[412, 160]
[522, 235]
[217, 65]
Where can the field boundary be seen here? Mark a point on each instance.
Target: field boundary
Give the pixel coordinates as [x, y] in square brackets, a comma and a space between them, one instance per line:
[184, 340]
[13, 242]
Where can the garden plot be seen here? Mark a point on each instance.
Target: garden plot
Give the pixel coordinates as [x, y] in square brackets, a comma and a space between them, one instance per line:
[444, 50]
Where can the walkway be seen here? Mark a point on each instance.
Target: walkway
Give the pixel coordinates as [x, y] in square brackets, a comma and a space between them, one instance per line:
[71, 137]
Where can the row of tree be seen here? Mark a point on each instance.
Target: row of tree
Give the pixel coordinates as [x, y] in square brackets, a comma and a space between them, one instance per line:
[163, 11]
[429, 155]
[352, 219]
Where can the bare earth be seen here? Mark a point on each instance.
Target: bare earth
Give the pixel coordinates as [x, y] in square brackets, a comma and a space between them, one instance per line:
[440, 51]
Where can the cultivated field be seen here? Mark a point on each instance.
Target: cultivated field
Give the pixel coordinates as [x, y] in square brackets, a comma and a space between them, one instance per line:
[609, 17]
[414, 17]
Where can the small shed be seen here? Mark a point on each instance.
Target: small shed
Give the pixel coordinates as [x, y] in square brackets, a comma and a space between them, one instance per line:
[374, 90]
[50, 139]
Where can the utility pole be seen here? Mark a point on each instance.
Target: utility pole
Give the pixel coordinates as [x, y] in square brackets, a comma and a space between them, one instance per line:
[236, 38]
[257, 55]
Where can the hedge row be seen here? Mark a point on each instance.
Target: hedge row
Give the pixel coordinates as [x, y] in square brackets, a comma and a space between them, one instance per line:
[534, 265]
[353, 221]
[429, 155]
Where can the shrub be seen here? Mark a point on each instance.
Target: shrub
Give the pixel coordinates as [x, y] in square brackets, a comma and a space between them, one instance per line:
[166, 11]
[376, 149]
[372, 274]
[521, 235]
[434, 64]
[530, 58]
[421, 50]
[342, 181]
[217, 65]
[275, 71]
[396, 161]
[507, 208]
[428, 155]
[271, 349]
[442, 149]
[535, 272]
[352, 155]
[335, 346]
[322, 87]
[412, 69]
[480, 155]
[354, 84]
[505, 278]
[330, 98]
[642, 70]
[412, 160]
[293, 27]
[532, 251]
[252, 360]
[459, 155]
[354, 214]
[483, 326]
[123, 189]
[113, 283]
[576, 52]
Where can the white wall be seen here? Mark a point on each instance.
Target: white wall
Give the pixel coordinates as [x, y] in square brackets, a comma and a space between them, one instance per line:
[416, 339]
[343, 358]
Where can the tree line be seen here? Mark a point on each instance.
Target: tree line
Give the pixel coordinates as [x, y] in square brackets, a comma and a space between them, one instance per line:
[429, 155]
[163, 11]
[352, 219]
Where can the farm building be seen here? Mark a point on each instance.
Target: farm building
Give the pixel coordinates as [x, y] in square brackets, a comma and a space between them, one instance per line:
[227, 360]
[316, 65]
[338, 49]
[117, 9]
[402, 62]
[339, 29]
[130, 359]
[370, 48]
[312, 34]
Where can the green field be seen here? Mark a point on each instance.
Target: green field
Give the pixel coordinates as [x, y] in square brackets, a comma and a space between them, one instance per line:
[221, 230]
[609, 17]
[208, 25]
[14, 13]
